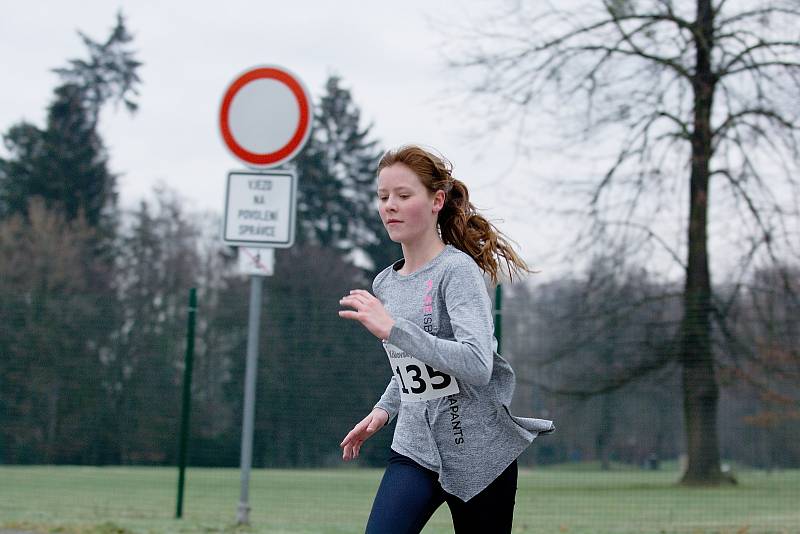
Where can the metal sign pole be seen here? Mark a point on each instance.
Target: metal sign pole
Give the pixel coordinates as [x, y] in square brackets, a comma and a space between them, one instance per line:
[261, 205]
[243, 516]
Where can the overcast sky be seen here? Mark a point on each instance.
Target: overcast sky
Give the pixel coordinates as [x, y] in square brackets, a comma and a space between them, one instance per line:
[389, 56]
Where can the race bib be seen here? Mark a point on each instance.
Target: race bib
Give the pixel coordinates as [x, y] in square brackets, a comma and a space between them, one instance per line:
[418, 381]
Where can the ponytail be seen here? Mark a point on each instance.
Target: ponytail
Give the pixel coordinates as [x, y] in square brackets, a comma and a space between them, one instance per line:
[460, 224]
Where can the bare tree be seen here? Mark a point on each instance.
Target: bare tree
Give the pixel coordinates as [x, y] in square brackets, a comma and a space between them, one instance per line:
[702, 96]
[600, 344]
[43, 290]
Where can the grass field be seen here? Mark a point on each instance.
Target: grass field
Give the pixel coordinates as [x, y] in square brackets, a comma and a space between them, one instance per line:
[89, 500]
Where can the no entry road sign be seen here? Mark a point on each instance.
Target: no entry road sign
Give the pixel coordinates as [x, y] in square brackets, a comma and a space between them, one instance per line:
[265, 117]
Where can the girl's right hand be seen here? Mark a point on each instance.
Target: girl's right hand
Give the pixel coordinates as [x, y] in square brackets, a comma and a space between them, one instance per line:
[364, 430]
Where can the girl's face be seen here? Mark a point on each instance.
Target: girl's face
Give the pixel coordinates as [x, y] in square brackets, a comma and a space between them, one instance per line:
[408, 210]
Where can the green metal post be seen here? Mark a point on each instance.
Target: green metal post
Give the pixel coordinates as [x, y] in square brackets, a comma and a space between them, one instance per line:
[187, 401]
[498, 317]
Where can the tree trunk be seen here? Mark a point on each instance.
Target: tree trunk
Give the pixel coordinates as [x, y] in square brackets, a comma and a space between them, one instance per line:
[53, 398]
[606, 432]
[700, 390]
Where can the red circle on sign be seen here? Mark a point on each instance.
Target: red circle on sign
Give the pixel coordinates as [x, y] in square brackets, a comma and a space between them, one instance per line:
[298, 139]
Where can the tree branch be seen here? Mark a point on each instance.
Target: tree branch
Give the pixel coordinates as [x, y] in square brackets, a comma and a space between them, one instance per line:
[762, 65]
[726, 68]
[757, 13]
[731, 120]
[650, 234]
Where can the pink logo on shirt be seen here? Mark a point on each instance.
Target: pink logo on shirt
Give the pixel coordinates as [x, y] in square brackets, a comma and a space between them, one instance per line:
[427, 307]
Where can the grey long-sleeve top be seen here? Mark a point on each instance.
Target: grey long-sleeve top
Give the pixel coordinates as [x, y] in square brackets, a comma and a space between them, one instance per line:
[442, 346]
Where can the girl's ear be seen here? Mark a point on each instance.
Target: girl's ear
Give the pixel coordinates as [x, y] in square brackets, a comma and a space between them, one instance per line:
[438, 201]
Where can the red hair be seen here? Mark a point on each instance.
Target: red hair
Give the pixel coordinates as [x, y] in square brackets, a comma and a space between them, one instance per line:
[460, 224]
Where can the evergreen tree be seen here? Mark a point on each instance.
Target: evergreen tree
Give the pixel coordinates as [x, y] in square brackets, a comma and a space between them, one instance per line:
[336, 194]
[66, 163]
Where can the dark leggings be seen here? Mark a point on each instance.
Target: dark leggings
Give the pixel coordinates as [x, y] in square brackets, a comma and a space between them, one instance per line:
[409, 494]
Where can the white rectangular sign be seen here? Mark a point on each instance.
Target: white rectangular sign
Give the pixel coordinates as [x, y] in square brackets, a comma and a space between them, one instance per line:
[260, 209]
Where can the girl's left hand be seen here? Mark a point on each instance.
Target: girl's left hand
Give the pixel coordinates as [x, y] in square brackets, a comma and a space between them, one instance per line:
[368, 311]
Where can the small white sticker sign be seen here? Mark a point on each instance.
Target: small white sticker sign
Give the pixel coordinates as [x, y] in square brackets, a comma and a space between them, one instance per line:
[418, 381]
[257, 261]
[260, 209]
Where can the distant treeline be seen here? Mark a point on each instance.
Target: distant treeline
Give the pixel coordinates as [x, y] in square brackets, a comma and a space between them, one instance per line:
[94, 377]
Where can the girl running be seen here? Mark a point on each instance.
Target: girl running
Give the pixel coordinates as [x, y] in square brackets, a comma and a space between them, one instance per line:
[455, 440]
